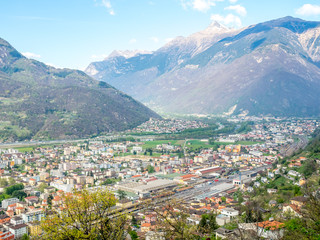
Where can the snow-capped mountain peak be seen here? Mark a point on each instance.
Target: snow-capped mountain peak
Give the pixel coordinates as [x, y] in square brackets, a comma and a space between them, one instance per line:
[216, 26]
[127, 53]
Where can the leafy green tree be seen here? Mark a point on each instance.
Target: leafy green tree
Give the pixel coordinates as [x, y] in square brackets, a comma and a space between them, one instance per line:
[295, 229]
[150, 169]
[240, 199]
[308, 168]
[42, 186]
[134, 221]
[252, 213]
[4, 196]
[11, 189]
[87, 215]
[133, 235]
[122, 194]
[307, 227]
[208, 224]
[108, 181]
[174, 224]
[297, 190]
[3, 182]
[25, 237]
[19, 194]
[49, 200]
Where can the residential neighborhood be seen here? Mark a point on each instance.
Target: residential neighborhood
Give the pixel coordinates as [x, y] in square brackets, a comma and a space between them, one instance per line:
[216, 176]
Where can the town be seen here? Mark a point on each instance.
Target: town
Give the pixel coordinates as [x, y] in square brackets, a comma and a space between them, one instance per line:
[216, 175]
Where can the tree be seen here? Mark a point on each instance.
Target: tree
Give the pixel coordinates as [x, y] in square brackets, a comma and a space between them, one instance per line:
[173, 222]
[25, 237]
[308, 226]
[4, 196]
[133, 235]
[208, 224]
[3, 182]
[19, 194]
[134, 221]
[295, 229]
[42, 186]
[150, 169]
[50, 198]
[309, 167]
[121, 194]
[11, 189]
[86, 215]
[252, 213]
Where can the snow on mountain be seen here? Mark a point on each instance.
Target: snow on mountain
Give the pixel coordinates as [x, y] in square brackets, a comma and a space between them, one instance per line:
[127, 53]
[266, 68]
[200, 41]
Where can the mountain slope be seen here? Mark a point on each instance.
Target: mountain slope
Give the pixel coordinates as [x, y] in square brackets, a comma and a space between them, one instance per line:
[40, 101]
[268, 68]
[132, 74]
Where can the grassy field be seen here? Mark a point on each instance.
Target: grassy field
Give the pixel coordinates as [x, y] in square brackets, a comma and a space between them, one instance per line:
[153, 144]
[31, 148]
[194, 143]
[24, 149]
[154, 154]
[248, 142]
[198, 144]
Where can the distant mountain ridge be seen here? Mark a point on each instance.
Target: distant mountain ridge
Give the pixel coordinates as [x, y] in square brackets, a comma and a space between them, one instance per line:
[267, 68]
[39, 101]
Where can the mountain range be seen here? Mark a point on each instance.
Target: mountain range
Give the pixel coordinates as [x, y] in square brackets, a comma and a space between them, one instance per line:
[40, 101]
[271, 68]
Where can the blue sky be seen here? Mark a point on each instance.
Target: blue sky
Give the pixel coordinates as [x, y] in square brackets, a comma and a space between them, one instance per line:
[73, 33]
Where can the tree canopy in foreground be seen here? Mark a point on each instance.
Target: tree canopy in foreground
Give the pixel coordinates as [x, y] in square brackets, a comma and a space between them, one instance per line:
[85, 215]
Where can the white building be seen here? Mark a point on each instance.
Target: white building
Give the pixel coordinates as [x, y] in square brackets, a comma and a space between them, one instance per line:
[5, 203]
[136, 149]
[294, 173]
[226, 215]
[230, 212]
[61, 186]
[16, 226]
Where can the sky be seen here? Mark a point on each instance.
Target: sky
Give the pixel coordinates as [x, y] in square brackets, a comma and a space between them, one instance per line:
[73, 33]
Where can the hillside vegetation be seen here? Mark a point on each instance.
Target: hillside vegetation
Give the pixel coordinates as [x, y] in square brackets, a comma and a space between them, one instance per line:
[39, 101]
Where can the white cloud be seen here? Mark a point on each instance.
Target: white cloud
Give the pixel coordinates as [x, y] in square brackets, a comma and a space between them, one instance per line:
[133, 41]
[233, 1]
[107, 4]
[31, 55]
[238, 9]
[199, 5]
[203, 5]
[154, 39]
[229, 20]
[308, 10]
